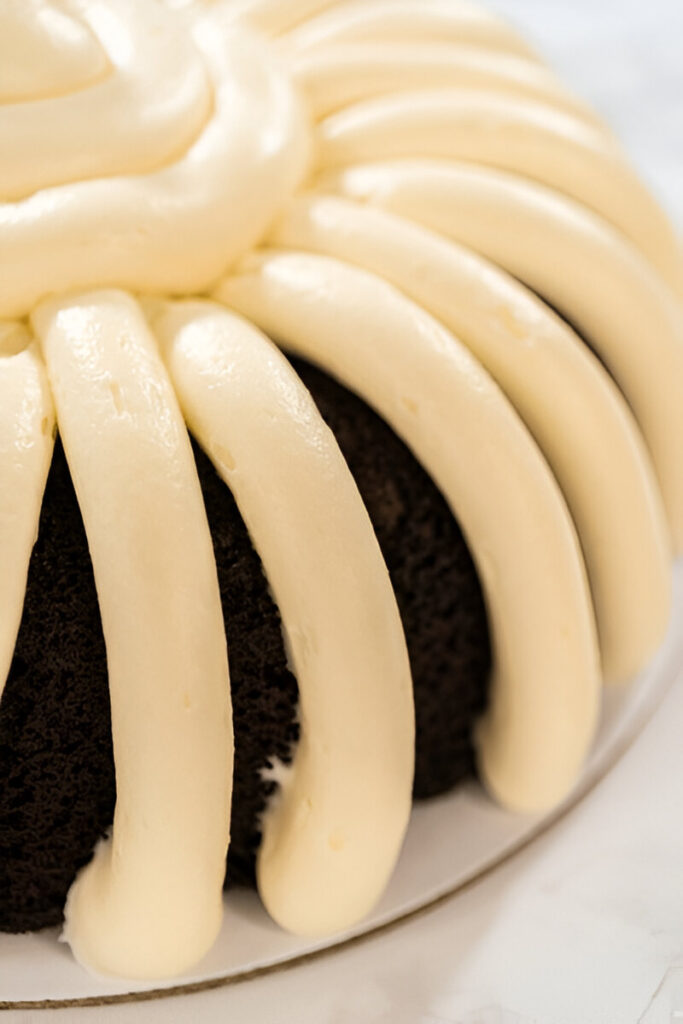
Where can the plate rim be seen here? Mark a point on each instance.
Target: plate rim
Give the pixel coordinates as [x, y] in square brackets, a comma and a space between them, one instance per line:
[620, 747]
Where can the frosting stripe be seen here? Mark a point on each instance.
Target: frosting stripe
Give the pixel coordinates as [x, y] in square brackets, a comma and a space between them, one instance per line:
[26, 438]
[336, 75]
[545, 687]
[598, 281]
[150, 105]
[45, 51]
[569, 403]
[149, 903]
[513, 134]
[176, 229]
[332, 836]
[387, 21]
[273, 16]
[150, 145]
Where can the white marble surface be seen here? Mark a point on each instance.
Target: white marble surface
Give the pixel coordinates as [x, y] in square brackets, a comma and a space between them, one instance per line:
[586, 926]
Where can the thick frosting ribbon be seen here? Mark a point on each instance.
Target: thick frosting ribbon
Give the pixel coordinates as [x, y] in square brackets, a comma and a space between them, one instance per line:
[595, 278]
[150, 104]
[332, 835]
[404, 20]
[426, 385]
[336, 75]
[194, 162]
[149, 903]
[532, 139]
[272, 17]
[26, 437]
[151, 145]
[558, 388]
[46, 49]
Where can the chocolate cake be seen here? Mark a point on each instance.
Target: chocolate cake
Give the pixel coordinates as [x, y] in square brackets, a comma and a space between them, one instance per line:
[56, 761]
[341, 355]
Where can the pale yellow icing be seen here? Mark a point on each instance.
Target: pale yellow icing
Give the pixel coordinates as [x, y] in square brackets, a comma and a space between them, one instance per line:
[272, 17]
[545, 686]
[151, 145]
[149, 903]
[335, 75]
[332, 836]
[46, 49]
[594, 277]
[150, 105]
[403, 20]
[515, 134]
[26, 436]
[560, 391]
[174, 229]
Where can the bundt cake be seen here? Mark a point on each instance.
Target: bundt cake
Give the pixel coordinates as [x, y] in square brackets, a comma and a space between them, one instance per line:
[341, 364]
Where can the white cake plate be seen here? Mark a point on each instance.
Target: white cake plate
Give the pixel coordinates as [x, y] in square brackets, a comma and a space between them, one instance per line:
[451, 842]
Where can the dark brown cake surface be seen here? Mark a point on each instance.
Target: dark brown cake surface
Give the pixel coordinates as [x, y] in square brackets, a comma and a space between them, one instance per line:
[56, 769]
[57, 788]
[434, 579]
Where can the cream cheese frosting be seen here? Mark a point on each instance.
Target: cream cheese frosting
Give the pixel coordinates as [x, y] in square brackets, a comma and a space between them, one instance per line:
[599, 281]
[331, 839]
[151, 104]
[339, 74]
[149, 903]
[545, 686]
[558, 388]
[519, 135]
[453, 188]
[272, 17]
[45, 51]
[26, 435]
[390, 21]
[173, 227]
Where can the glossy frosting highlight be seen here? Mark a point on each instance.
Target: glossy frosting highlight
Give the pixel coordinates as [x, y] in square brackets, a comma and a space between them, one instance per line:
[393, 190]
[595, 278]
[27, 425]
[333, 833]
[149, 903]
[186, 178]
[425, 384]
[559, 389]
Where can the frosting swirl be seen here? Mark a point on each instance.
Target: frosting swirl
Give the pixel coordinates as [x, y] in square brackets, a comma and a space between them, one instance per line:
[45, 51]
[153, 174]
[149, 102]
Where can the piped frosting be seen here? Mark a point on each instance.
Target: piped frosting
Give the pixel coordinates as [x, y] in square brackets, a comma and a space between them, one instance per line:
[332, 836]
[426, 385]
[152, 147]
[27, 426]
[559, 389]
[149, 903]
[595, 278]
[182, 183]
